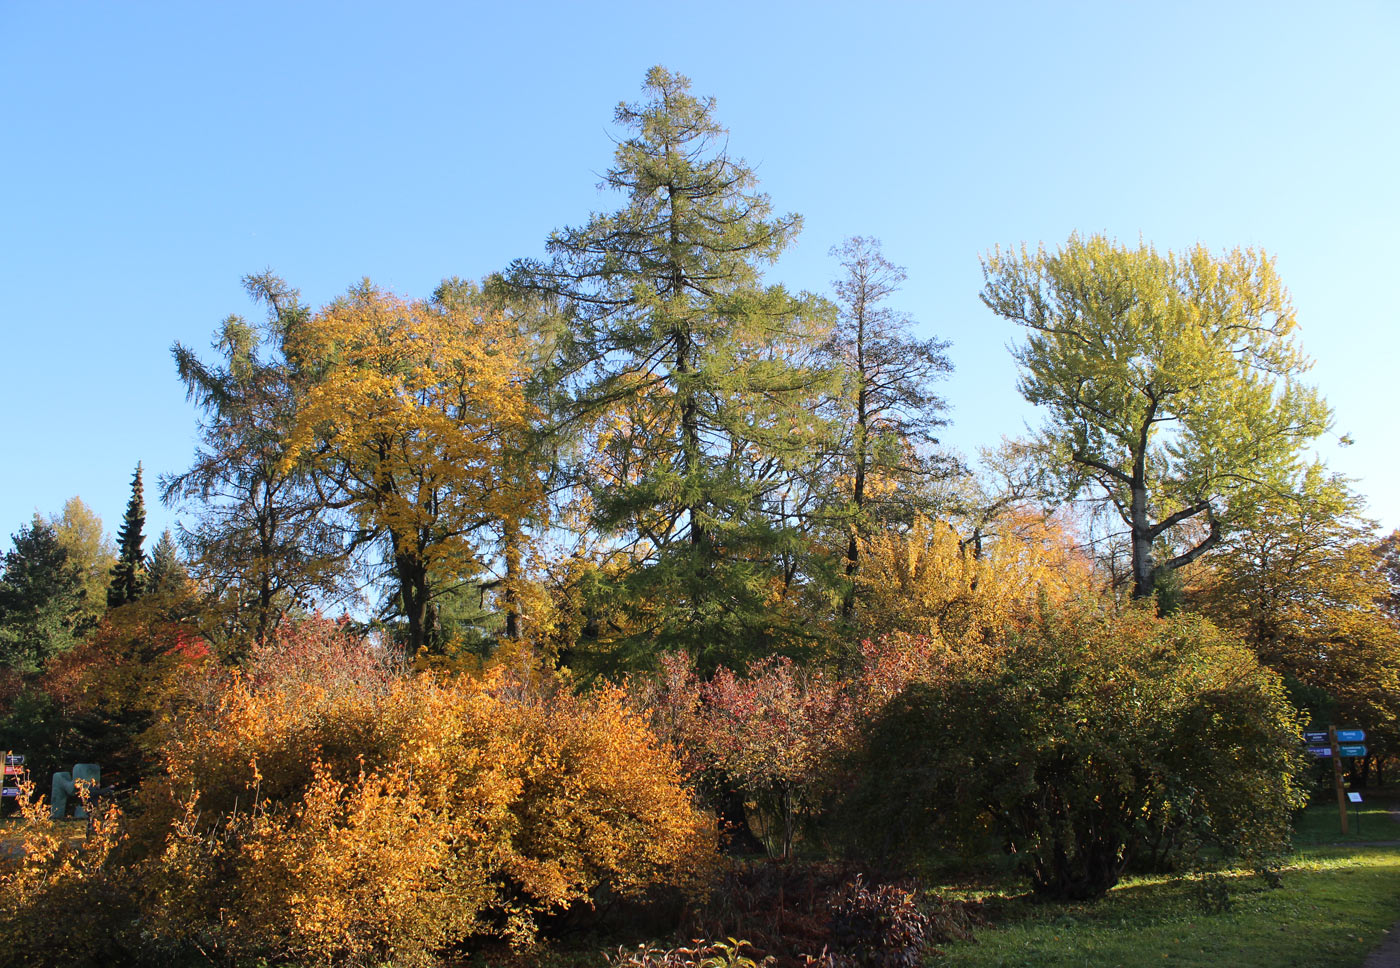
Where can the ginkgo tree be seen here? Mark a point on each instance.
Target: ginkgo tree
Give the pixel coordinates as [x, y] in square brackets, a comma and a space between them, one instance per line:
[1171, 381]
[414, 417]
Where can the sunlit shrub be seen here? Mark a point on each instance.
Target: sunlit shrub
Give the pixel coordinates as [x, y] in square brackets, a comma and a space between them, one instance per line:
[771, 734]
[63, 899]
[1095, 736]
[362, 817]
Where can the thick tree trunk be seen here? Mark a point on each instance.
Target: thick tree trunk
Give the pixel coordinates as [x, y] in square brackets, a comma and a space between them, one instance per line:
[413, 595]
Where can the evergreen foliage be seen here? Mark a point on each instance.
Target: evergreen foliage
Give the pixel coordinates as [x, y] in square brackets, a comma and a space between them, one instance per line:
[42, 600]
[129, 573]
[692, 377]
[167, 572]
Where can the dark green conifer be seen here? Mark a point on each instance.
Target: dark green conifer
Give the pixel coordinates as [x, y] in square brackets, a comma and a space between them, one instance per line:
[129, 573]
[42, 611]
[167, 572]
[675, 336]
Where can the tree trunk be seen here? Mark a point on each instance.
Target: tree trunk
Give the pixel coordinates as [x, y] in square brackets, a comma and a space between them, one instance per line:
[735, 834]
[511, 598]
[1144, 573]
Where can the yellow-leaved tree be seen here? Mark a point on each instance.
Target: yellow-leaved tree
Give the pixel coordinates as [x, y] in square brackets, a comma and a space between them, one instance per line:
[415, 418]
[1302, 585]
[930, 581]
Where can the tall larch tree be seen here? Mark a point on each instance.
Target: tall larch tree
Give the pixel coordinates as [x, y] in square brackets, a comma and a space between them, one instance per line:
[888, 412]
[129, 573]
[688, 372]
[262, 543]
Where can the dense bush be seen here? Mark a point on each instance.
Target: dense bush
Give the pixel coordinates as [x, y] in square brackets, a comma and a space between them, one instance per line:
[63, 899]
[879, 926]
[1091, 737]
[770, 735]
[326, 810]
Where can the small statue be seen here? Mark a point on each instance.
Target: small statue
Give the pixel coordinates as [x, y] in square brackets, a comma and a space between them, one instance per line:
[65, 785]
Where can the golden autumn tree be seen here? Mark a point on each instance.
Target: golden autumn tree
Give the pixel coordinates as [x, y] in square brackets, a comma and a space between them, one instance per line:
[414, 417]
[1302, 584]
[930, 581]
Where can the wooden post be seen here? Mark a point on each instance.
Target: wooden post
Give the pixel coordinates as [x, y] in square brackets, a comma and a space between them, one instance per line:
[1337, 776]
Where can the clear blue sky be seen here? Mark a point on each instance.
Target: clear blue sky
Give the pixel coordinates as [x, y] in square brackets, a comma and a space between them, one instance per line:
[155, 153]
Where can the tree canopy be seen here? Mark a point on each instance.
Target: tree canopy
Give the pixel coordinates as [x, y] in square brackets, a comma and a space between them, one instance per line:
[692, 376]
[1172, 383]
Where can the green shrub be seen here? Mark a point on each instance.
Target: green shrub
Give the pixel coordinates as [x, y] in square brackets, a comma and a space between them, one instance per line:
[1097, 735]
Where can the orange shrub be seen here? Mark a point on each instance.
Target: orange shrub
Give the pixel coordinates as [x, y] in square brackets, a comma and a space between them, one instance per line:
[63, 900]
[364, 817]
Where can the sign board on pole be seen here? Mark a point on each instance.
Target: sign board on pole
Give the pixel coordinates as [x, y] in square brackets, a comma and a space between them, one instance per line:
[1320, 738]
[1347, 750]
[1354, 797]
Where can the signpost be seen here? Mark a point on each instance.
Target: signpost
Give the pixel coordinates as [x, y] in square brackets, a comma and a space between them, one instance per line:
[1334, 739]
[1348, 749]
[1337, 776]
[13, 770]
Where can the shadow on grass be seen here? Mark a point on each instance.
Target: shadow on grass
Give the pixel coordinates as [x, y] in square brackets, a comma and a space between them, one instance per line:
[1334, 907]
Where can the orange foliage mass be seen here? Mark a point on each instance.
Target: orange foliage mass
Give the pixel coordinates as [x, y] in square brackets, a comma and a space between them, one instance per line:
[329, 809]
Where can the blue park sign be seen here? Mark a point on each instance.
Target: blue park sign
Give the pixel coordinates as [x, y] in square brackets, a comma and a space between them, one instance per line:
[1345, 750]
[1319, 738]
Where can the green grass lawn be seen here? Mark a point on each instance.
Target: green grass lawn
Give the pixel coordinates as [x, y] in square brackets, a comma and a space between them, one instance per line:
[1334, 907]
[1369, 820]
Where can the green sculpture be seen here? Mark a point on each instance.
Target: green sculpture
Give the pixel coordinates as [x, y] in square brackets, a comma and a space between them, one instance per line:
[66, 785]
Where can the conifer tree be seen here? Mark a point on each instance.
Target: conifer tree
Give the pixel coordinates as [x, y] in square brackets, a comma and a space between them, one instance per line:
[889, 414]
[129, 573]
[167, 572]
[263, 542]
[42, 607]
[691, 376]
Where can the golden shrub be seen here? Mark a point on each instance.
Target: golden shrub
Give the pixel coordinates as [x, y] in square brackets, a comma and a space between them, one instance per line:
[384, 819]
[63, 900]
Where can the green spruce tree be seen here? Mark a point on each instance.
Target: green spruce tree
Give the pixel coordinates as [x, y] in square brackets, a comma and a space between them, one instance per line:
[129, 573]
[692, 378]
[167, 572]
[42, 606]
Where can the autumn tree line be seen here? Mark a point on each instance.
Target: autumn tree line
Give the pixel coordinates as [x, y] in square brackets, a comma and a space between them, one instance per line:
[641, 556]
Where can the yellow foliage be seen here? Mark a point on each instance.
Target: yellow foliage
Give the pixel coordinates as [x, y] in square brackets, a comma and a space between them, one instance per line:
[926, 581]
[416, 410]
[61, 901]
[388, 819]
